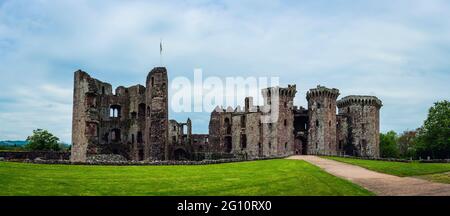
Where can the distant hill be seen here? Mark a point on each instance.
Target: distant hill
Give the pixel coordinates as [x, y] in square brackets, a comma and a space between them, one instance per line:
[13, 143]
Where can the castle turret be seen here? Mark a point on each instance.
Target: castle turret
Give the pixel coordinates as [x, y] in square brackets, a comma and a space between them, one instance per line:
[156, 131]
[363, 114]
[322, 120]
[279, 127]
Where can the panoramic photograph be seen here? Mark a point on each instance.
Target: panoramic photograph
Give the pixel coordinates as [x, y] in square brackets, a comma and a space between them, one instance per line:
[224, 99]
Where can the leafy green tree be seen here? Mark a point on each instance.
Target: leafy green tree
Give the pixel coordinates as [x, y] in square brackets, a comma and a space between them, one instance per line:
[42, 140]
[434, 136]
[406, 144]
[388, 145]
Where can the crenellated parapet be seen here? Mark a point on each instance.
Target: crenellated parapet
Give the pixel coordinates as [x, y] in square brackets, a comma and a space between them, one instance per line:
[290, 91]
[322, 91]
[359, 100]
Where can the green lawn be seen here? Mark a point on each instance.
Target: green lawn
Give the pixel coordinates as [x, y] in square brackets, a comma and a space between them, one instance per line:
[397, 168]
[269, 177]
[437, 177]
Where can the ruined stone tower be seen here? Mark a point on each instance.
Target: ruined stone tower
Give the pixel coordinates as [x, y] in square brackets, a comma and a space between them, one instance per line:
[322, 120]
[362, 117]
[278, 130]
[131, 122]
[156, 132]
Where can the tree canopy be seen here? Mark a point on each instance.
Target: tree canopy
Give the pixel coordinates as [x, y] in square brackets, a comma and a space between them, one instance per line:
[42, 140]
[433, 138]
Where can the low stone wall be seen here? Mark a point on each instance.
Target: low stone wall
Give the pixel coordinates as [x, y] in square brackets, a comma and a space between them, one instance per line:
[148, 163]
[46, 155]
[394, 159]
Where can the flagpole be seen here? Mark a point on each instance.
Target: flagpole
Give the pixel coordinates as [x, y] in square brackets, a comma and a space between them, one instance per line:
[160, 52]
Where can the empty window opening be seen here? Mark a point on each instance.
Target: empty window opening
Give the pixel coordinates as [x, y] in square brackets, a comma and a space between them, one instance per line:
[114, 111]
[139, 137]
[141, 110]
[243, 121]
[243, 141]
[227, 126]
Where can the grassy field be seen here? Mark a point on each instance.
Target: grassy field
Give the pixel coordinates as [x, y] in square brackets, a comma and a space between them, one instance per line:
[438, 177]
[398, 168]
[270, 177]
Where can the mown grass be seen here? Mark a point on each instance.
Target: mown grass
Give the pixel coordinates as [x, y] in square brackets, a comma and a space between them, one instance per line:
[270, 177]
[437, 177]
[397, 168]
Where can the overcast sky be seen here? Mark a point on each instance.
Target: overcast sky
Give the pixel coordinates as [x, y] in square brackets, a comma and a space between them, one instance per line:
[398, 51]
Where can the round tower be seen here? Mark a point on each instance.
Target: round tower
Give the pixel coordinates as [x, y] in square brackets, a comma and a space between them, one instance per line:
[363, 113]
[322, 120]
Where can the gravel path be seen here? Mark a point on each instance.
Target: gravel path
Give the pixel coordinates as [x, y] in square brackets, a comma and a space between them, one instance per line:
[379, 183]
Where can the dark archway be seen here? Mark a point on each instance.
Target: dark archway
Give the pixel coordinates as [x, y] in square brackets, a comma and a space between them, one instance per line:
[228, 144]
[180, 154]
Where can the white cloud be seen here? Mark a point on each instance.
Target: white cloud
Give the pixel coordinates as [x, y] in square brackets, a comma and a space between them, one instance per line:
[397, 51]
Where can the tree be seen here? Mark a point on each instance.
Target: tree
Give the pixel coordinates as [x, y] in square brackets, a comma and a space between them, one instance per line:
[388, 145]
[406, 144]
[42, 140]
[434, 136]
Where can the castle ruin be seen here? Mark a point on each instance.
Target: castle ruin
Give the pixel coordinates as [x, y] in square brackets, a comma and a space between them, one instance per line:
[134, 122]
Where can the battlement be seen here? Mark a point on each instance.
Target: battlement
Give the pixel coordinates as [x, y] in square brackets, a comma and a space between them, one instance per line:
[359, 99]
[290, 91]
[322, 91]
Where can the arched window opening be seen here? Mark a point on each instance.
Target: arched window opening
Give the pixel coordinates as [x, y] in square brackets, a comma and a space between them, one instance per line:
[317, 123]
[132, 138]
[227, 126]
[114, 111]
